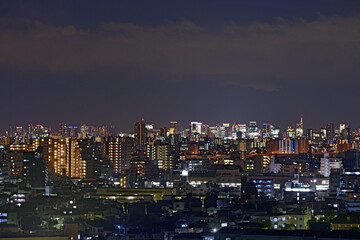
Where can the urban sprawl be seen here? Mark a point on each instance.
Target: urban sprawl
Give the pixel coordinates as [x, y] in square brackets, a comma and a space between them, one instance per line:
[183, 181]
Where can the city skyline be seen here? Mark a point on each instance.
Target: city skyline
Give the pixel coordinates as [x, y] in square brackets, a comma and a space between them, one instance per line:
[184, 126]
[223, 130]
[182, 119]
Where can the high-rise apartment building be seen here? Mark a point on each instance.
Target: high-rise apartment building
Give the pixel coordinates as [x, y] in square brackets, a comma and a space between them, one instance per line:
[161, 153]
[118, 150]
[92, 155]
[63, 156]
[328, 163]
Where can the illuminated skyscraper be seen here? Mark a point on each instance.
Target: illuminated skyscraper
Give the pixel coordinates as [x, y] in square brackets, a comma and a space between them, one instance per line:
[267, 130]
[345, 132]
[300, 128]
[275, 132]
[242, 131]
[323, 133]
[330, 131]
[174, 127]
[238, 130]
[196, 127]
[140, 132]
[225, 130]
[253, 130]
[342, 127]
[290, 132]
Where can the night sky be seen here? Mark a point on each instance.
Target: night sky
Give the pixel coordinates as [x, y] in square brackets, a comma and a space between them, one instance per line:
[102, 62]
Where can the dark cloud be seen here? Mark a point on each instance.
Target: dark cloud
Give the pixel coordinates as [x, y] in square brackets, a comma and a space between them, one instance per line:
[288, 51]
[181, 69]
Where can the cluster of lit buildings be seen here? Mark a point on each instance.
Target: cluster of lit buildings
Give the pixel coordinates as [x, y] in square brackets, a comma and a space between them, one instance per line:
[90, 152]
[240, 164]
